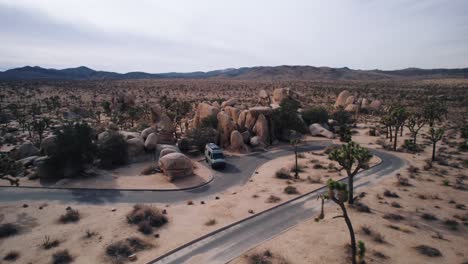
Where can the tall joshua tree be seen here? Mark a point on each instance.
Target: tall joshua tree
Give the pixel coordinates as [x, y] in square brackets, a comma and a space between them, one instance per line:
[337, 192]
[435, 135]
[398, 116]
[295, 141]
[351, 157]
[414, 123]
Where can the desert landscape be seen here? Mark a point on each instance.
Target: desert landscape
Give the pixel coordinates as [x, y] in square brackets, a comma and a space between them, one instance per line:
[172, 145]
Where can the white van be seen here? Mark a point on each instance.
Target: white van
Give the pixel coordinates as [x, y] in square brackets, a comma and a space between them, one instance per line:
[214, 156]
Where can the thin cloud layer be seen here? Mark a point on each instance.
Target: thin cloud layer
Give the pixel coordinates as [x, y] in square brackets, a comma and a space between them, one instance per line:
[187, 35]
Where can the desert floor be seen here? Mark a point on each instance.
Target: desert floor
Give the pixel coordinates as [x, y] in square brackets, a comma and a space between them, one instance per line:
[309, 242]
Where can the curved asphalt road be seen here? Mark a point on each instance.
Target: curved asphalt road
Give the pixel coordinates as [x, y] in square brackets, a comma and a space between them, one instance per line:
[237, 172]
[230, 242]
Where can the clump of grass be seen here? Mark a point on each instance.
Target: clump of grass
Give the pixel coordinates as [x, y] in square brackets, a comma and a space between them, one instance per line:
[291, 190]
[48, 244]
[428, 251]
[367, 230]
[402, 229]
[12, 256]
[428, 217]
[380, 255]
[413, 169]
[62, 257]
[261, 258]
[390, 194]
[8, 229]
[273, 199]
[395, 204]
[90, 234]
[211, 222]
[282, 174]
[379, 238]
[120, 250]
[392, 216]
[318, 166]
[146, 217]
[361, 207]
[71, 215]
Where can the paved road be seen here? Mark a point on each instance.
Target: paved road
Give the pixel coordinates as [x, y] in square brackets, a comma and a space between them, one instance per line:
[231, 242]
[237, 172]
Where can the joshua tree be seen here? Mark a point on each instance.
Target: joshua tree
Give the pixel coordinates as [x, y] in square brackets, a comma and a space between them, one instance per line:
[414, 123]
[39, 127]
[295, 141]
[434, 111]
[435, 135]
[398, 117]
[337, 192]
[352, 157]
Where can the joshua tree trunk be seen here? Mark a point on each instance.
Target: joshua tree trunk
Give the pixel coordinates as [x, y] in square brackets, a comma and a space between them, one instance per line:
[433, 151]
[350, 189]
[391, 136]
[351, 233]
[296, 174]
[401, 131]
[395, 139]
[414, 137]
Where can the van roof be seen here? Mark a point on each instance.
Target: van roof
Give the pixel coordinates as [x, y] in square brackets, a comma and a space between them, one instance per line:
[213, 146]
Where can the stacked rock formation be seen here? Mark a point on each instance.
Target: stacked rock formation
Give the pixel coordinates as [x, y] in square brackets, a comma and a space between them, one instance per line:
[351, 104]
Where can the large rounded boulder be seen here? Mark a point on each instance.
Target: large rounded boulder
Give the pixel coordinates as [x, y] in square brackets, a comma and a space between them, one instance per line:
[136, 146]
[25, 150]
[151, 141]
[341, 100]
[175, 166]
[225, 127]
[49, 145]
[237, 142]
[318, 130]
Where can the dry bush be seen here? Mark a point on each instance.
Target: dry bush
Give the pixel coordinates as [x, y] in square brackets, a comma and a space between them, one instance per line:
[392, 216]
[452, 224]
[291, 190]
[390, 194]
[395, 204]
[62, 257]
[428, 251]
[361, 207]
[8, 229]
[211, 222]
[273, 199]
[120, 250]
[48, 244]
[282, 174]
[146, 217]
[70, 216]
[428, 217]
[11, 256]
[315, 179]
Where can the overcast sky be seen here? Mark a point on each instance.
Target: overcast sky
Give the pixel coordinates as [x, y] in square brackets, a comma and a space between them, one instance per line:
[163, 36]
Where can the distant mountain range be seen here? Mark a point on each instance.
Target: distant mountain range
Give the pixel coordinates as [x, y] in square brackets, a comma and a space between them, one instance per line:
[246, 73]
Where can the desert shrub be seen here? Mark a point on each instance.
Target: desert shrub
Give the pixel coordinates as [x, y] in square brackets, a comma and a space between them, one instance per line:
[48, 244]
[146, 217]
[259, 258]
[286, 117]
[10, 167]
[122, 249]
[372, 132]
[290, 190]
[75, 149]
[316, 114]
[11, 256]
[452, 224]
[71, 215]
[428, 251]
[199, 137]
[316, 179]
[428, 216]
[299, 168]
[361, 207]
[342, 117]
[210, 122]
[211, 222]
[390, 194]
[379, 238]
[113, 151]
[345, 134]
[273, 199]
[413, 169]
[282, 174]
[62, 257]
[463, 146]
[183, 144]
[367, 230]
[8, 229]
[395, 204]
[410, 146]
[392, 216]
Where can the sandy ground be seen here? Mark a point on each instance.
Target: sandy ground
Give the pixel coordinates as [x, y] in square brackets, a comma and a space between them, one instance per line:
[309, 242]
[324, 241]
[127, 177]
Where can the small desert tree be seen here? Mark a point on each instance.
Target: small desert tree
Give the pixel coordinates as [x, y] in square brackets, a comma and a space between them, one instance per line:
[113, 150]
[337, 192]
[434, 111]
[414, 123]
[39, 126]
[286, 117]
[9, 169]
[398, 115]
[295, 141]
[351, 157]
[435, 135]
